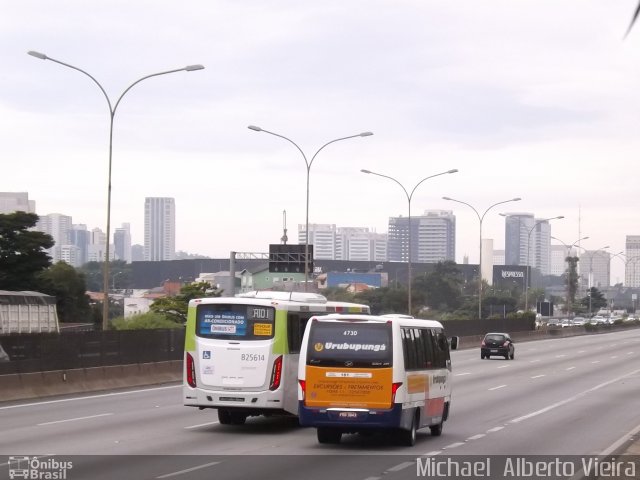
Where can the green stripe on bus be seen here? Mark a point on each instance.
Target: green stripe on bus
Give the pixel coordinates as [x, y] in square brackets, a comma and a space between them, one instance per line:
[280, 337]
[190, 333]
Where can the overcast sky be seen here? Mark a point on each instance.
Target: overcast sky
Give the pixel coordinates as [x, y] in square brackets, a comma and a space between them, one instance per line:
[537, 99]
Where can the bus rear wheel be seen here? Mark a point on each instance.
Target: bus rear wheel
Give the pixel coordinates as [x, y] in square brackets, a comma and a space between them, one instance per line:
[228, 417]
[329, 435]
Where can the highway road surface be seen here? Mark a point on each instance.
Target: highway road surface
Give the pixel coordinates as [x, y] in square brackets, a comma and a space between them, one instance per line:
[559, 397]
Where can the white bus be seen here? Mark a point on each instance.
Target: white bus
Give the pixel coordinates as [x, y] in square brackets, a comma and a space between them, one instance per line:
[366, 373]
[241, 353]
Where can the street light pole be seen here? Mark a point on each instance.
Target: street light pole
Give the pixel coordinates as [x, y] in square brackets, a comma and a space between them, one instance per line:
[112, 112]
[308, 165]
[526, 273]
[481, 219]
[409, 197]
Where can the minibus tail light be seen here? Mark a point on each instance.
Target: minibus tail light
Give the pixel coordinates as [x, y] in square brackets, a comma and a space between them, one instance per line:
[276, 374]
[394, 389]
[191, 371]
[303, 387]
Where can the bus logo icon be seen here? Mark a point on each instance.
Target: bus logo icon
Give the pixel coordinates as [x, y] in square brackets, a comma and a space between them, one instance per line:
[18, 467]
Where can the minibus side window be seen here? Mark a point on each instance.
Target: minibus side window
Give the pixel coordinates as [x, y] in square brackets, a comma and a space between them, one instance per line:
[442, 349]
[421, 361]
[428, 344]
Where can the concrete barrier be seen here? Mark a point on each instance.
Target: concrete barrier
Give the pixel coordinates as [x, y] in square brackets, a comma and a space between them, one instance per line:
[61, 382]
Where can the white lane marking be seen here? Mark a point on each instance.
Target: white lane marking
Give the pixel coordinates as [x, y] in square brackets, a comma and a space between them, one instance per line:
[462, 374]
[539, 376]
[373, 478]
[504, 366]
[400, 466]
[615, 356]
[571, 399]
[560, 356]
[201, 425]
[181, 472]
[581, 351]
[618, 443]
[453, 445]
[432, 453]
[534, 361]
[494, 429]
[477, 437]
[89, 397]
[570, 368]
[596, 361]
[498, 387]
[75, 419]
[629, 353]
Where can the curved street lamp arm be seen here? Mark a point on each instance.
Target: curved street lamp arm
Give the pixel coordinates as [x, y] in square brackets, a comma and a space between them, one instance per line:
[390, 178]
[45, 57]
[138, 81]
[464, 203]
[499, 203]
[290, 141]
[430, 176]
[329, 143]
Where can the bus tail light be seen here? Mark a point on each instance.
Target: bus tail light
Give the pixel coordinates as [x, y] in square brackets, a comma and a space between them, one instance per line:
[191, 371]
[303, 386]
[394, 389]
[276, 374]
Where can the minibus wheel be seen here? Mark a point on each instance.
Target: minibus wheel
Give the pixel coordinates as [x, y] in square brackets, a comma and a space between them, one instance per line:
[436, 430]
[408, 437]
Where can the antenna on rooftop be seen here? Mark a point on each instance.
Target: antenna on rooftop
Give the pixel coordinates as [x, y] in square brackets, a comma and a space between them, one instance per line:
[284, 237]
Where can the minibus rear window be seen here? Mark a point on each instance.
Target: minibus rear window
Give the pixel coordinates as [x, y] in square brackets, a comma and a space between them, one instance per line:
[235, 322]
[348, 344]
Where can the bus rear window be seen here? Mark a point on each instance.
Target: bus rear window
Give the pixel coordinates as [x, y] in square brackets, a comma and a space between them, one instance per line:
[356, 345]
[235, 322]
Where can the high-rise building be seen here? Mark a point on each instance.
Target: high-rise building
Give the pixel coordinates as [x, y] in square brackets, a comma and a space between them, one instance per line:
[558, 253]
[344, 243]
[137, 253]
[159, 228]
[632, 261]
[433, 237]
[79, 236]
[594, 268]
[528, 241]
[58, 226]
[122, 243]
[16, 202]
[323, 238]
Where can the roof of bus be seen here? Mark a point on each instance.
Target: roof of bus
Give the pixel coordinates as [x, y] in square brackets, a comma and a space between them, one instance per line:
[294, 300]
[401, 320]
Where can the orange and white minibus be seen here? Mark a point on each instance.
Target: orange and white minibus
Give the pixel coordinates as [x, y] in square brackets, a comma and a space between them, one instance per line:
[362, 373]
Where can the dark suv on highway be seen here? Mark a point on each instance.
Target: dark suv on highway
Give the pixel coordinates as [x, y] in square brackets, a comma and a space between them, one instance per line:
[497, 344]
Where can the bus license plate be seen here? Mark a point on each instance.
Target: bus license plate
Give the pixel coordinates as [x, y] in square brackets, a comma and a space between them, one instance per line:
[348, 415]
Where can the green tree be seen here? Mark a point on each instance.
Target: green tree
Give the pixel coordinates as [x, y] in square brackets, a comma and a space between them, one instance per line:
[68, 286]
[571, 282]
[144, 321]
[175, 308]
[442, 288]
[22, 251]
[598, 299]
[383, 300]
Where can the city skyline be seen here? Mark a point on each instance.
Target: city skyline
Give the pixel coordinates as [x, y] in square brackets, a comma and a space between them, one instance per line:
[530, 99]
[352, 243]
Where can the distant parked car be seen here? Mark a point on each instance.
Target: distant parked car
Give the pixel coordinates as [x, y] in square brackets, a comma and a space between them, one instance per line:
[579, 321]
[598, 320]
[497, 344]
[566, 323]
[553, 322]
